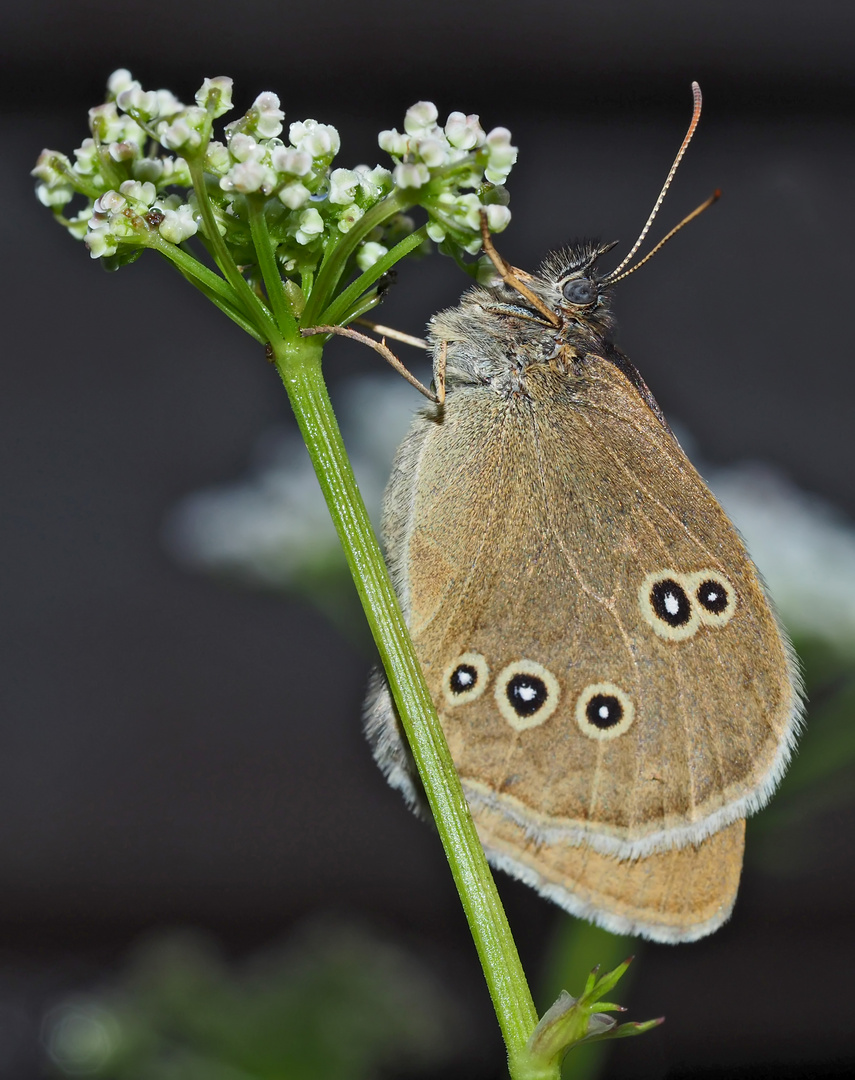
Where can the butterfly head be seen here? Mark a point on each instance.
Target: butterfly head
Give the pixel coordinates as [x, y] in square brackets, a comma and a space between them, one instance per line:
[570, 285]
[501, 330]
[567, 295]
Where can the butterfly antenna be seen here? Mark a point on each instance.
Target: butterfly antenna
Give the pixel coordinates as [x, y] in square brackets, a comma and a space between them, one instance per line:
[507, 274]
[616, 274]
[705, 205]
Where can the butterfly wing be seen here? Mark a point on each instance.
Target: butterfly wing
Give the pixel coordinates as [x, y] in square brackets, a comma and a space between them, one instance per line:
[605, 663]
[669, 896]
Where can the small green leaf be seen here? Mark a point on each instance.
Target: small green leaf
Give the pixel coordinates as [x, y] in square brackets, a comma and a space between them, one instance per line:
[611, 978]
[571, 1021]
[623, 1031]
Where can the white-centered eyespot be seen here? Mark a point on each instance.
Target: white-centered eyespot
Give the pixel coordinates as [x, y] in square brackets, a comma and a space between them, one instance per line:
[465, 678]
[604, 711]
[526, 693]
[667, 605]
[714, 596]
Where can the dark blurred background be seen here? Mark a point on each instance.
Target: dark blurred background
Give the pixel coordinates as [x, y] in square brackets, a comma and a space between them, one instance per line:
[179, 752]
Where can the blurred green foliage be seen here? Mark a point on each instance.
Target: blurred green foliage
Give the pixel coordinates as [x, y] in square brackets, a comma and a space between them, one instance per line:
[338, 1003]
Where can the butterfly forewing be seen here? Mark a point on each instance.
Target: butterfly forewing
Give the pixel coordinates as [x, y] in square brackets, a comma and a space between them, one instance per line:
[602, 501]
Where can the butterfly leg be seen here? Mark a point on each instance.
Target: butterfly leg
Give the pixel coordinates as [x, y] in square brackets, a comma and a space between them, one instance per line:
[379, 347]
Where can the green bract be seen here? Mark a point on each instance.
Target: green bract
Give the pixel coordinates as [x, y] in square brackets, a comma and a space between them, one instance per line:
[152, 175]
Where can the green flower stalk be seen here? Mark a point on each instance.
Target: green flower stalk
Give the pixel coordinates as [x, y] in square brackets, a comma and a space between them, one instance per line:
[282, 242]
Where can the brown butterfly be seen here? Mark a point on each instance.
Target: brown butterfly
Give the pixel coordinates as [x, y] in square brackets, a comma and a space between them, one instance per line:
[615, 689]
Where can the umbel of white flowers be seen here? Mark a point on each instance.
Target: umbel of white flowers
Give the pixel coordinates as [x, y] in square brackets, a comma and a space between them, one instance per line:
[135, 174]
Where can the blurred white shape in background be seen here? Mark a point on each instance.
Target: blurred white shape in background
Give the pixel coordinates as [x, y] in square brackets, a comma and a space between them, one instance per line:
[80, 1036]
[803, 546]
[267, 528]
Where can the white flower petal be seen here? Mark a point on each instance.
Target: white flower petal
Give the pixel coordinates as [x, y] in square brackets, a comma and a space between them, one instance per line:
[420, 117]
[285, 159]
[369, 253]
[101, 242]
[217, 89]
[294, 195]
[243, 147]
[433, 152]
[464, 132]
[343, 183]
[270, 116]
[178, 225]
[119, 81]
[411, 176]
[498, 217]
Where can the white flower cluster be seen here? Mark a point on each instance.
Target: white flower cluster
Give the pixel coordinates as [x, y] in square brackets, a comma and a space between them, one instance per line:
[461, 150]
[126, 188]
[804, 547]
[147, 149]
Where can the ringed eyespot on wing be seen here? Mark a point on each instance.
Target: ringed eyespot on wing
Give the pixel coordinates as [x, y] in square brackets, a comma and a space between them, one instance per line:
[667, 604]
[465, 678]
[526, 693]
[604, 711]
[714, 595]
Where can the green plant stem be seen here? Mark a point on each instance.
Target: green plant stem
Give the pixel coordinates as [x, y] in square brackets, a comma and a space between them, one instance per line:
[334, 264]
[299, 364]
[209, 284]
[256, 311]
[269, 271]
[339, 310]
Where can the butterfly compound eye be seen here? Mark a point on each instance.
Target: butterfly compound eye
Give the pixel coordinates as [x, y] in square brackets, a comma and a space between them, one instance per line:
[580, 291]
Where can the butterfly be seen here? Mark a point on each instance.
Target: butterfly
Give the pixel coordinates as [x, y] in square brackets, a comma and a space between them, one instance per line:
[616, 691]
